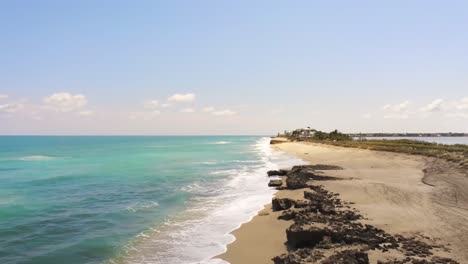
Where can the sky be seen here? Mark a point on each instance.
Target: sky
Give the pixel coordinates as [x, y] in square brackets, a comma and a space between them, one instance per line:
[232, 67]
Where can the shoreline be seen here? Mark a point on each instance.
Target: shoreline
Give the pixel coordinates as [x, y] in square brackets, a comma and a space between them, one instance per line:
[390, 190]
[203, 229]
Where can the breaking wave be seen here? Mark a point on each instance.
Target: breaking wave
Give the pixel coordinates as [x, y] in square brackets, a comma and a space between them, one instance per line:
[222, 142]
[218, 207]
[38, 158]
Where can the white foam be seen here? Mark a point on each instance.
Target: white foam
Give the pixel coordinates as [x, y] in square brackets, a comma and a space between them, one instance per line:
[209, 162]
[246, 161]
[37, 158]
[222, 142]
[223, 172]
[148, 205]
[203, 231]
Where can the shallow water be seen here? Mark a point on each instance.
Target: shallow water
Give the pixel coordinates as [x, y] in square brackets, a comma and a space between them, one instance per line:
[128, 199]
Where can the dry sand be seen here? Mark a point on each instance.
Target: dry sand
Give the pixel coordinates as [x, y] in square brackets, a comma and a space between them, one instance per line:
[409, 195]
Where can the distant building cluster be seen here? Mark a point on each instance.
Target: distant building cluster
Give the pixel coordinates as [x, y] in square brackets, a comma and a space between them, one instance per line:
[449, 134]
[300, 134]
[303, 134]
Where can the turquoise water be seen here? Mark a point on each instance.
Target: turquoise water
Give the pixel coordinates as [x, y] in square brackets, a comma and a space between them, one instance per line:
[128, 199]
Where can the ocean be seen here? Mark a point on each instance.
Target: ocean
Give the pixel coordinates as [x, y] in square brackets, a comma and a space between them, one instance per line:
[93, 199]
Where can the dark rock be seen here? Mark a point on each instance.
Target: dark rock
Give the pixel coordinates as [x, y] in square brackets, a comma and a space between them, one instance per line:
[278, 141]
[317, 167]
[300, 236]
[282, 204]
[409, 260]
[441, 260]
[301, 256]
[348, 257]
[277, 173]
[322, 221]
[287, 215]
[298, 178]
[326, 167]
[275, 183]
[296, 183]
[413, 247]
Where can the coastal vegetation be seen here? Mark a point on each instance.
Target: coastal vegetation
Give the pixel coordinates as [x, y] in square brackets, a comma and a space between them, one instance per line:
[313, 134]
[457, 153]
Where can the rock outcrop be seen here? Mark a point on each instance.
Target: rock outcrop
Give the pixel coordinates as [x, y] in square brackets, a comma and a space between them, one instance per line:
[278, 140]
[282, 204]
[275, 183]
[277, 173]
[327, 230]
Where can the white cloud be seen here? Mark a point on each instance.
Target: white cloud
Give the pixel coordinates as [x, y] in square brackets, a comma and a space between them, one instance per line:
[367, 116]
[396, 116]
[151, 104]
[85, 113]
[188, 97]
[65, 102]
[276, 111]
[396, 111]
[3, 96]
[187, 110]
[457, 115]
[144, 115]
[208, 109]
[225, 112]
[166, 105]
[434, 106]
[463, 104]
[397, 107]
[11, 107]
[386, 107]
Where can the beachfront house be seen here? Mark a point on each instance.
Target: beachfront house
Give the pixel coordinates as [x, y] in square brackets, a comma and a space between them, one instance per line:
[304, 133]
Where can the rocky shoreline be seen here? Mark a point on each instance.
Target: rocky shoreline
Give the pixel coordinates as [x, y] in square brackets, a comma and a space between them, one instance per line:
[328, 230]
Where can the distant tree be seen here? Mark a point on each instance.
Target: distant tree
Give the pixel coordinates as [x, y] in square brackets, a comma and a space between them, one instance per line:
[335, 135]
[320, 135]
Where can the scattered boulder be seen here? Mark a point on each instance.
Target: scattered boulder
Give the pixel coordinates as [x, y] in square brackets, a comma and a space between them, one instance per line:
[298, 178]
[278, 140]
[282, 204]
[318, 167]
[294, 183]
[277, 173]
[308, 256]
[348, 257]
[275, 183]
[413, 247]
[410, 260]
[300, 236]
[301, 256]
[326, 230]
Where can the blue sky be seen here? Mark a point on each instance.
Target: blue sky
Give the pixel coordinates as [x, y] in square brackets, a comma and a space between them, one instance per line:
[246, 67]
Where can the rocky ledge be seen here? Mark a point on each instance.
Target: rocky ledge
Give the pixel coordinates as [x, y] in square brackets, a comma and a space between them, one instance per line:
[326, 230]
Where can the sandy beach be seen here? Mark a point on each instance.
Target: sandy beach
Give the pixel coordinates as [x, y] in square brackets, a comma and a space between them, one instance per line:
[411, 196]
